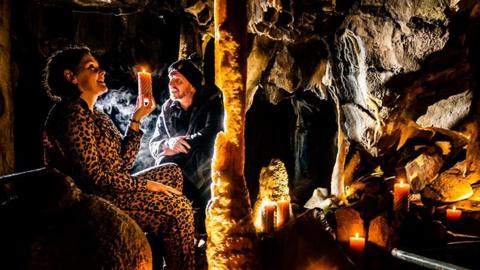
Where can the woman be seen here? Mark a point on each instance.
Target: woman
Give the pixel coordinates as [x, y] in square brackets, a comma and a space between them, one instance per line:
[85, 144]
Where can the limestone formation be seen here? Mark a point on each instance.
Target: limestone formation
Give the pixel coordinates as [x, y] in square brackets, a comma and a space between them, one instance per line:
[273, 188]
[231, 233]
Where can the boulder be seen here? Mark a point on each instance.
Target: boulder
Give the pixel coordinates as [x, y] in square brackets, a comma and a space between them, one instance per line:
[450, 186]
[381, 233]
[423, 170]
[51, 224]
[349, 223]
[447, 113]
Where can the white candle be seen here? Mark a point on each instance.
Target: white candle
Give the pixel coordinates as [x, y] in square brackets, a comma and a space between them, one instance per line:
[144, 86]
[268, 217]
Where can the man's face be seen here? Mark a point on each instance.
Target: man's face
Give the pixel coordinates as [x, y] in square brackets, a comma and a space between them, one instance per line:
[179, 86]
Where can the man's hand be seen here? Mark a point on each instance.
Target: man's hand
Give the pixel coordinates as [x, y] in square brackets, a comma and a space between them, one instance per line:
[177, 145]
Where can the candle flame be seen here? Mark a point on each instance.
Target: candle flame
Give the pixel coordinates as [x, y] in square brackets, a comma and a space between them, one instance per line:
[144, 70]
[401, 182]
[356, 235]
[454, 208]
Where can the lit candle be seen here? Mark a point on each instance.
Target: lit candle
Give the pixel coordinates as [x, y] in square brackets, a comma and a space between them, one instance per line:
[268, 217]
[357, 243]
[144, 86]
[453, 214]
[400, 196]
[283, 213]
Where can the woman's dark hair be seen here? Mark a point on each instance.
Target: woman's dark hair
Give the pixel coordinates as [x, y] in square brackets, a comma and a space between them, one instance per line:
[56, 86]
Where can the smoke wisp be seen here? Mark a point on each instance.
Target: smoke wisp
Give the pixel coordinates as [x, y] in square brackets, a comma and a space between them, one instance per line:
[119, 104]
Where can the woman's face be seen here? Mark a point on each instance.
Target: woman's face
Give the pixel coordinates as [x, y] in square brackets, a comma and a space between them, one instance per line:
[90, 78]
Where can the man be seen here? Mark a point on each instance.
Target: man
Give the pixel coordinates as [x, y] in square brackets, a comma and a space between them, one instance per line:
[186, 130]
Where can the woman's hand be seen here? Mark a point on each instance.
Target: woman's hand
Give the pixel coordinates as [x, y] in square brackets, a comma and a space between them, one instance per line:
[157, 187]
[142, 108]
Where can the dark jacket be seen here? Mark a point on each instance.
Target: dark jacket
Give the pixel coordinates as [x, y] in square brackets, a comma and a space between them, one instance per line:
[202, 122]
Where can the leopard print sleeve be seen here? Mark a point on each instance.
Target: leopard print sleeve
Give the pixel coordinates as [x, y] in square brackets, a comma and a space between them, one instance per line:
[130, 146]
[82, 150]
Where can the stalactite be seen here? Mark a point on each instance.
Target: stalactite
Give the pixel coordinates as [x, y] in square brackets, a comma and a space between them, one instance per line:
[231, 233]
[337, 187]
[6, 100]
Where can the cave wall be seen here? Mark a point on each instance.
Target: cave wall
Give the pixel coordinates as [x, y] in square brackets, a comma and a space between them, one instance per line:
[6, 104]
[399, 73]
[374, 72]
[121, 42]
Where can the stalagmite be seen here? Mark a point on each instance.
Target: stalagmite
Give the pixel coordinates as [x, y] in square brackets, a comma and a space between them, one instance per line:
[231, 234]
[273, 188]
[6, 99]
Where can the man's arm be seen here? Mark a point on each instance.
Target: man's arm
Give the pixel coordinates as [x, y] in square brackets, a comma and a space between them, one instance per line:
[159, 138]
[162, 143]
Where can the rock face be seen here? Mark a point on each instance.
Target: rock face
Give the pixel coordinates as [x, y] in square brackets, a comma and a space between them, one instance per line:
[451, 186]
[423, 170]
[52, 225]
[349, 223]
[381, 40]
[6, 100]
[110, 6]
[447, 113]
[381, 233]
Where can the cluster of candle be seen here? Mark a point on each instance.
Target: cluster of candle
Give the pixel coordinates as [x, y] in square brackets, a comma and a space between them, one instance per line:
[401, 191]
[145, 86]
[274, 215]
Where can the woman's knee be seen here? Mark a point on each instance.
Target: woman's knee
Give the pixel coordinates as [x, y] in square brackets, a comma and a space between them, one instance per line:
[185, 207]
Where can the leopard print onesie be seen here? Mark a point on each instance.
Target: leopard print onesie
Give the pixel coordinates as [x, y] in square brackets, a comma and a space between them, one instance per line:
[87, 146]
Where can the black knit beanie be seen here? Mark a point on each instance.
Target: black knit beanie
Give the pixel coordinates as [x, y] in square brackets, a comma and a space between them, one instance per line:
[189, 70]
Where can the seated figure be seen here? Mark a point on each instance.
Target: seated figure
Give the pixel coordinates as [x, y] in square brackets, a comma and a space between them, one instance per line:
[85, 144]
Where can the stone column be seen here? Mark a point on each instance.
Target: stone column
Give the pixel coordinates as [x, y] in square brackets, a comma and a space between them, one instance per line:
[7, 157]
[231, 234]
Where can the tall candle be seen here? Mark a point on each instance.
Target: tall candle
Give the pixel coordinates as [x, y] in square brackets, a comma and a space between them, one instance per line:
[400, 196]
[357, 243]
[283, 213]
[145, 86]
[268, 217]
[454, 214]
